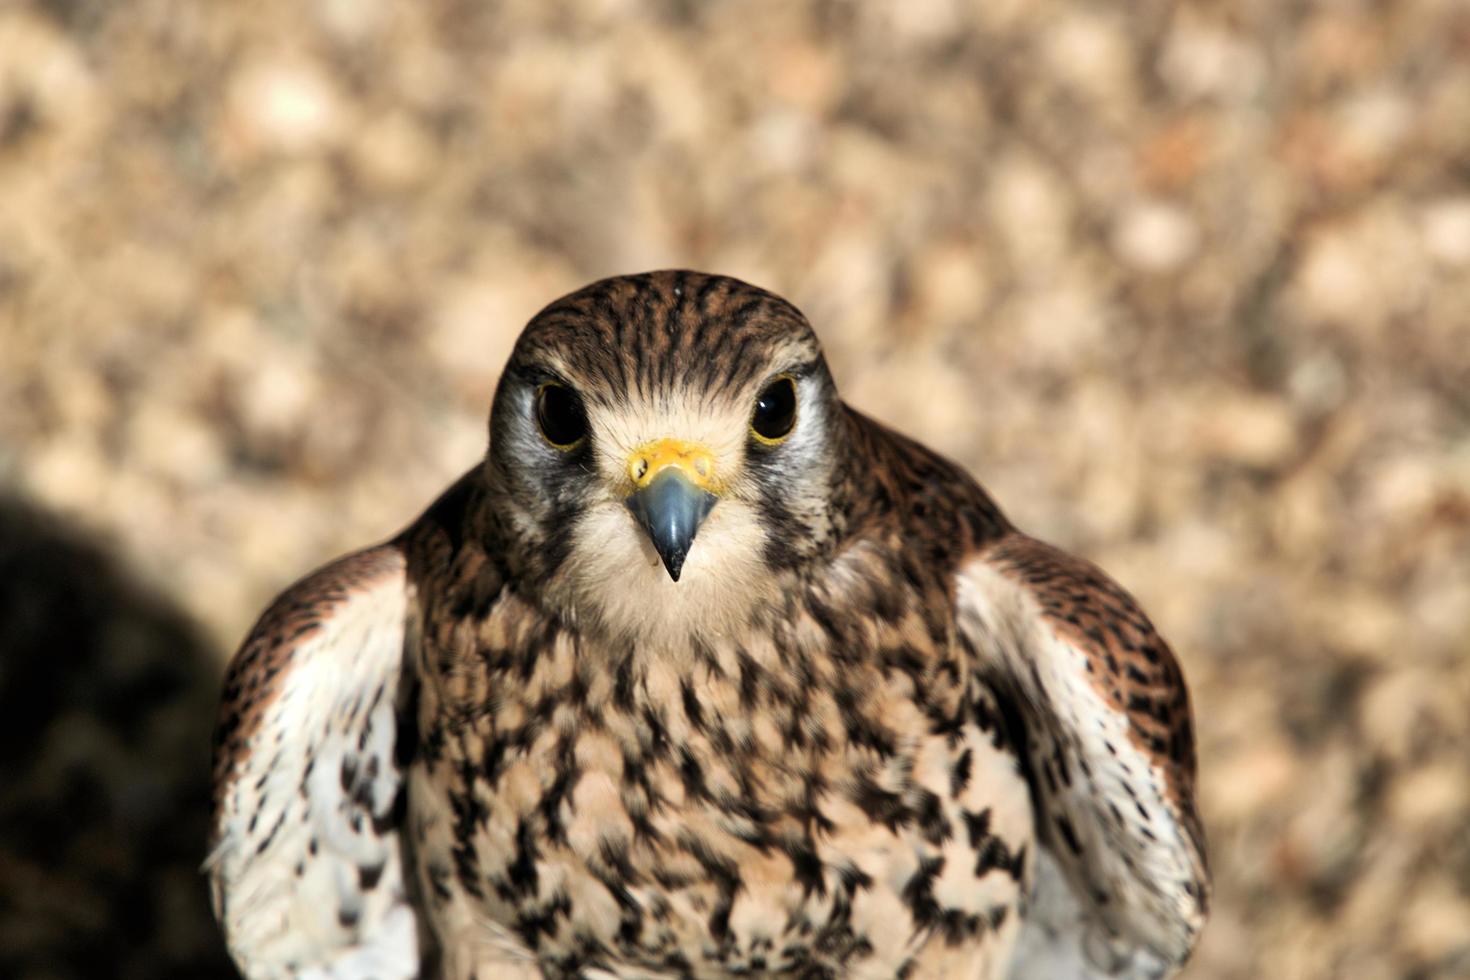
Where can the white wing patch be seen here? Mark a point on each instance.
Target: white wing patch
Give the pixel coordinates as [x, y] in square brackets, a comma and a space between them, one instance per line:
[307, 873]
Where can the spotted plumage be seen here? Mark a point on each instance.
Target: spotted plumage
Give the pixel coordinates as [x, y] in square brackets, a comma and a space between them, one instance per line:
[701, 675]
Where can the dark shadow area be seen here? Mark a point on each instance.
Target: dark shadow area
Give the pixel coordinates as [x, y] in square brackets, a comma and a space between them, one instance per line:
[107, 696]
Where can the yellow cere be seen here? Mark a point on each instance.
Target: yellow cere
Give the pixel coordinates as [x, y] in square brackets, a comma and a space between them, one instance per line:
[695, 461]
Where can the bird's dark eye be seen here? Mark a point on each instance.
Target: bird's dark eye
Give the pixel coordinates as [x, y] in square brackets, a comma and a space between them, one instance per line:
[775, 411]
[559, 414]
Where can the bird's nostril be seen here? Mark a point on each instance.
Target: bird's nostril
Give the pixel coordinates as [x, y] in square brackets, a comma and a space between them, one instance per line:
[640, 467]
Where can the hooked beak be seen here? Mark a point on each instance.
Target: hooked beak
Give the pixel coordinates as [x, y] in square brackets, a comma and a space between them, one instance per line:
[671, 500]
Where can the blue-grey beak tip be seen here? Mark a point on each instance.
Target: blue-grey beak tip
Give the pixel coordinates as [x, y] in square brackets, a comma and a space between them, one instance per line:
[670, 510]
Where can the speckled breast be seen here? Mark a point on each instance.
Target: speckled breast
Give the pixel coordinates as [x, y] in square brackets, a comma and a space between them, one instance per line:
[753, 805]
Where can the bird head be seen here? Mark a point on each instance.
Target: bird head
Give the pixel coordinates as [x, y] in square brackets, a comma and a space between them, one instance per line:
[663, 448]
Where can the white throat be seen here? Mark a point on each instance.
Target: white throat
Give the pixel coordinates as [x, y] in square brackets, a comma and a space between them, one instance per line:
[614, 577]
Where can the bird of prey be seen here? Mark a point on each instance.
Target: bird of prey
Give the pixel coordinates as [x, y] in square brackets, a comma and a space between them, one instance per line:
[702, 673]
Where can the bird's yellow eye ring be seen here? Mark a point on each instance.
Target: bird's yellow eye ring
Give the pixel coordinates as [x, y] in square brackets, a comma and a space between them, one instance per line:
[560, 416]
[774, 416]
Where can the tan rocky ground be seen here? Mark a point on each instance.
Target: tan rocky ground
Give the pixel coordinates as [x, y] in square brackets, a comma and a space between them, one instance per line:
[1187, 286]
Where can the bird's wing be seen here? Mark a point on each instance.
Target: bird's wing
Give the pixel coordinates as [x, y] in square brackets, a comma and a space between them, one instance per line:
[307, 871]
[1122, 884]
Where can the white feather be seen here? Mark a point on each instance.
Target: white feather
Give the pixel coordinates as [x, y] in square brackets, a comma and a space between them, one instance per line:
[296, 846]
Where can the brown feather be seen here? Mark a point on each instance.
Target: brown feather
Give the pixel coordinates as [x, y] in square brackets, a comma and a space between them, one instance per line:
[1130, 665]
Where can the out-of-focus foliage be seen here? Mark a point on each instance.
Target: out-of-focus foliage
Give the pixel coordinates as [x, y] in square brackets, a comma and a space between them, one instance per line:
[1188, 286]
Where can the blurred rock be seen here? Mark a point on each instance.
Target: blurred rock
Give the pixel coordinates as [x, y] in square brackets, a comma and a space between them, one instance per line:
[285, 103]
[1155, 237]
[1250, 430]
[1446, 229]
[1203, 60]
[1431, 798]
[1253, 782]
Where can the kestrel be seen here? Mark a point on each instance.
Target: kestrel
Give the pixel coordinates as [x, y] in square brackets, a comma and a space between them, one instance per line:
[702, 673]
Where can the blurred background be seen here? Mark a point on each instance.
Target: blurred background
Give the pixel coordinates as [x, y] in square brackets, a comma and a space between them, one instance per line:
[1186, 285]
